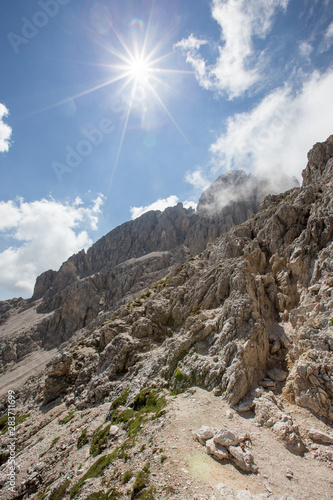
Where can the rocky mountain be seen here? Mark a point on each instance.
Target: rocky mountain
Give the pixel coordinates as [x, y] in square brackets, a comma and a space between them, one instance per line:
[122, 264]
[220, 318]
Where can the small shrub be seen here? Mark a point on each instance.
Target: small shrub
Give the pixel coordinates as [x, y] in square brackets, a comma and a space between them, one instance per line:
[163, 458]
[178, 375]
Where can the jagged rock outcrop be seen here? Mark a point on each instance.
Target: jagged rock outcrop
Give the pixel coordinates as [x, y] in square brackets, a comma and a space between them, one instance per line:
[211, 321]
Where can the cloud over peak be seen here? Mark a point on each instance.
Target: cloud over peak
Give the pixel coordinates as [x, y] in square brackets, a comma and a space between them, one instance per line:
[273, 138]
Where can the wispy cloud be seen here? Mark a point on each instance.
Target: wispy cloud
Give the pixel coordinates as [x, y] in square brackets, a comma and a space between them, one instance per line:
[327, 41]
[5, 130]
[160, 204]
[198, 179]
[41, 234]
[305, 49]
[274, 137]
[239, 65]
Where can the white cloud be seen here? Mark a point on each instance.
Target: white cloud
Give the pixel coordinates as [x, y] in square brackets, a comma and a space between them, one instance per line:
[238, 65]
[274, 137]
[190, 43]
[43, 233]
[191, 46]
[160, 204]
[327, 40]
[5, 130]
[305, 49]
[197, 179]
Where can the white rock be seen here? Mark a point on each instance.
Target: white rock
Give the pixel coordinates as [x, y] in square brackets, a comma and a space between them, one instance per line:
[320, 436]
[226, 438]
[229, 414]
[242, 435]
[277, 375]
[113, 430]
[204, 433]
[215, 449]
[243, 459]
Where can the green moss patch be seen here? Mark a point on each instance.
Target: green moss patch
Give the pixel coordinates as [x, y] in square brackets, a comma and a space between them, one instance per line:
[121, 400]
[99, 440]
[55, 440]
[141, 482]
[146, 402]
[19, 419]
[82, 439]
[4, 424]
[68, 418]
[178, 375]
[101, 495]
[95, 470]
[60, 492]
[127, 476]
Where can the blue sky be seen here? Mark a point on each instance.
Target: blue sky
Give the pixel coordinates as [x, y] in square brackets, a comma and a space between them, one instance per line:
[109, 108]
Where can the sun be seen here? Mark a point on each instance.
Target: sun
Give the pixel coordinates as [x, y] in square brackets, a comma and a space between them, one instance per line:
[140, 69]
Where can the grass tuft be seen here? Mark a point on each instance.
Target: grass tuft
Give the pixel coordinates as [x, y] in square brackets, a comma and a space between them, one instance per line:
[99, 440]
[82, 439]
[68, 418]
[60, 492]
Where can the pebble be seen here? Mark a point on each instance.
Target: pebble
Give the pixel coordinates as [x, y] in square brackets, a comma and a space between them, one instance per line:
[229, 414]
